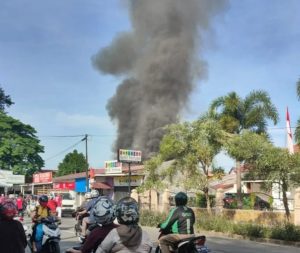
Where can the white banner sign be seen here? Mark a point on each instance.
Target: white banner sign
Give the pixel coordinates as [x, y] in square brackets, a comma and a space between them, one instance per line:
[8, 177]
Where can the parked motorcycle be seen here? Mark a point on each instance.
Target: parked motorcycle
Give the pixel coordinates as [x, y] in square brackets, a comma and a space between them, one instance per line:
[195, 244]
[48, 240]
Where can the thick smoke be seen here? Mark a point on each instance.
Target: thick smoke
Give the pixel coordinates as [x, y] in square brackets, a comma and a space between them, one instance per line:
[158, 58]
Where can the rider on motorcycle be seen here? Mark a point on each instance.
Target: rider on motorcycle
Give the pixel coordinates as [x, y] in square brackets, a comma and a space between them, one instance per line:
[179, 223]
[41, 211]
[104, 215]
[129, 236]
[12, 234]
[88, 220]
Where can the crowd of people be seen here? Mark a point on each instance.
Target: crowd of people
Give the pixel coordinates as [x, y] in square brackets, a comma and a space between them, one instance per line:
[116, 227]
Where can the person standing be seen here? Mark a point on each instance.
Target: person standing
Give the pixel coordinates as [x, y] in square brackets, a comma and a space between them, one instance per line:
[20, 205]
[52, 205]
[12, 234]
[58, 200]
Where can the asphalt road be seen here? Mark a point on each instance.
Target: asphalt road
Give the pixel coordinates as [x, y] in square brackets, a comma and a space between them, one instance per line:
[216, 244]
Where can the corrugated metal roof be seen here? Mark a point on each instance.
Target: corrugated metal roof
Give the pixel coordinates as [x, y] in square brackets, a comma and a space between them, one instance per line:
[68, 178]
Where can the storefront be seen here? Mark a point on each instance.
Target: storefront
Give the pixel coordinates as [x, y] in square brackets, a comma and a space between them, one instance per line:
[10, 183]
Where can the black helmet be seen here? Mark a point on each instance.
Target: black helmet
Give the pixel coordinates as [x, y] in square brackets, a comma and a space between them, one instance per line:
[181, 199]
[43, 198]
[127, 211]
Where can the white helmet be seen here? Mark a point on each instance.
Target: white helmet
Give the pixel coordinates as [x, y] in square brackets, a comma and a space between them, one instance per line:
[104, 211]
[94, 193]
[88, 195]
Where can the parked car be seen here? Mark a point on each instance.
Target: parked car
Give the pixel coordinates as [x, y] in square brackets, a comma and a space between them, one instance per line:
[68, 202]
[230, 201]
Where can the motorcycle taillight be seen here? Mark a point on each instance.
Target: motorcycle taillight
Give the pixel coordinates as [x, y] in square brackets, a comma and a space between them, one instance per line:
[200, 242]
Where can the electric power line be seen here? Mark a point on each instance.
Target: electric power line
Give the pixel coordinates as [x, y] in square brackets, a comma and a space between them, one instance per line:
[65, 150]
[61, 136]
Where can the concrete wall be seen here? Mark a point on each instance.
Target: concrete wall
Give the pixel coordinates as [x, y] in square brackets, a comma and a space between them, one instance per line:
[160, 202]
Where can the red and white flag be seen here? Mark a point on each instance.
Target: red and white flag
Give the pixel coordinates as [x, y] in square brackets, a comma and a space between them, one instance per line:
[290, 144]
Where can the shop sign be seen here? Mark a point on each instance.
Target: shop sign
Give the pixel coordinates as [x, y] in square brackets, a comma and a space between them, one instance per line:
[129, 156]
[7, 176]
[45, 177]
[64, 186]
[112, 167]
[123, 181]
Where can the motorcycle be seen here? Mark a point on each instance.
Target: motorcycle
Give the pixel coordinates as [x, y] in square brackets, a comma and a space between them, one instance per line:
[78, 218]
[47, 236]
[78, 224]
[193, 244]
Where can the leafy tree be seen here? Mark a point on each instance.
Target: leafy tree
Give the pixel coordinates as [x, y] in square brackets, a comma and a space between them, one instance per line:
[73, 162]
[19, 147]
[153, 180]
[5, 100]
[236, 114]
[193, 147]
[267, 162]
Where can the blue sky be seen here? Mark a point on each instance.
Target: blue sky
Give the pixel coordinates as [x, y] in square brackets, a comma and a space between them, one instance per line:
[45, 66]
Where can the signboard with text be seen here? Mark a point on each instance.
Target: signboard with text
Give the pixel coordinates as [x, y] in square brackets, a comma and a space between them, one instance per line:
[8, 177]
[129, 156]
[64, 186]
[123, 181]
[112, 167]
[45, 177]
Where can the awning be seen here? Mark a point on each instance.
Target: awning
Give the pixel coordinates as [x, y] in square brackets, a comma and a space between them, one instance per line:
[99, 185]
[3, 184]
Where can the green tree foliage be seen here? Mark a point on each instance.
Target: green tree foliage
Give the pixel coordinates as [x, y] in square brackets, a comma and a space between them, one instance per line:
[193, 147]
[19, 145]
[266, 162]
[72, 163]
[153, 179]
[5, 100]
[236, 114]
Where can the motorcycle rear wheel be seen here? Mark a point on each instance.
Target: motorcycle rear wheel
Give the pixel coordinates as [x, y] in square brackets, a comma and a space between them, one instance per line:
[158, 250]
[53, 247]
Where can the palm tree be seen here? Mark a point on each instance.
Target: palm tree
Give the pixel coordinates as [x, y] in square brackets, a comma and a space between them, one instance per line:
[236, 114]
[297, 131]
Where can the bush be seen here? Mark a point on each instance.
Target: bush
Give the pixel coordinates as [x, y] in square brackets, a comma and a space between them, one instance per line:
[151, 219]
[287, 232]
[201, 200]
[215, 223]
[249, 230]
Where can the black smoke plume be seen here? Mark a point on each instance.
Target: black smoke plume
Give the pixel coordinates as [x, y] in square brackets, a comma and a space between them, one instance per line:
[160, 60]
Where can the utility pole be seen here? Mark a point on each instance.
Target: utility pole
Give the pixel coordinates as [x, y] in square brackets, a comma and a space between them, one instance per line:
[87, 164]
[129, 179]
